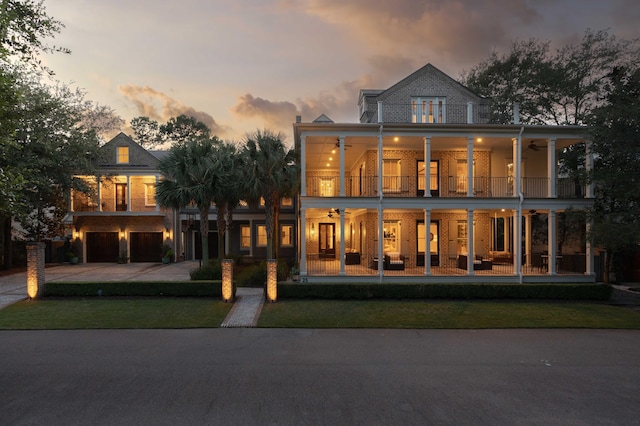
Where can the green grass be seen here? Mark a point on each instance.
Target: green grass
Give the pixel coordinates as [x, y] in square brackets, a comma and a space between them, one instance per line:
[112, 313]
[444, 314]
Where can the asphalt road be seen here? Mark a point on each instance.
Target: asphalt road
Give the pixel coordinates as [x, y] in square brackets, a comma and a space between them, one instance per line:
[320, 377]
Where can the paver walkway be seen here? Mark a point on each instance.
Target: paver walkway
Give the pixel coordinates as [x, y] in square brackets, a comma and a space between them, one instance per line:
[246, 308]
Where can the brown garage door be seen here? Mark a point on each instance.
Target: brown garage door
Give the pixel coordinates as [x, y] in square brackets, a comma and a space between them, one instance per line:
[146, 246]
[102, 246]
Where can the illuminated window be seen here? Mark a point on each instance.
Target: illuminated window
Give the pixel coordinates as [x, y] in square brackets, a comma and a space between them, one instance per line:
[262, 236]
[391, 176]
[428, 110]
[149, 194]
[261, 201]
[243, 204]
[286, 202]
[245, 237]
[123, 155]
[286, 232]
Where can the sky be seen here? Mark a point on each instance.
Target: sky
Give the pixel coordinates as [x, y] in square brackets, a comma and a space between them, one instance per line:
[243, 65]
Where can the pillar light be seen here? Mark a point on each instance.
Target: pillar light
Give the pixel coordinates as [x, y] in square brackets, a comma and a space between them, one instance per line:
[227, 280]
[272, 280]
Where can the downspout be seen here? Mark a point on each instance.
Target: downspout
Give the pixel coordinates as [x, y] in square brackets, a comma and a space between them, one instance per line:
[520, 201]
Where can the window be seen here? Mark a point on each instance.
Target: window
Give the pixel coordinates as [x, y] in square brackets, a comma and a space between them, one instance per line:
[243, 204]
[286, 202]
[433, 238]
[326, 187]
[261, 201]
[245, 237]
[461, 237]
[428, 110]
[262, 236]
[391, 236]
[123, 155]
[286, 232]
[391, 176]
[149, 194]
[433, 177]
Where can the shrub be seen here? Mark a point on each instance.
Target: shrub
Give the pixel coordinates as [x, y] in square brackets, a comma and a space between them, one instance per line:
[138, 288]
[210, 271]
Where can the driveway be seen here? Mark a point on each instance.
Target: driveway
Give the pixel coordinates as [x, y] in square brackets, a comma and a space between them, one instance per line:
[320, 377]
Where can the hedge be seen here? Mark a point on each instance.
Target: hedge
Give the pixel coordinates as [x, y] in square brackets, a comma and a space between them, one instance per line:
[445, 291]
[134, 288]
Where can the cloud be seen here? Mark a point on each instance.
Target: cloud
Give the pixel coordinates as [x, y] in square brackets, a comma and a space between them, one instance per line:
[161, 107]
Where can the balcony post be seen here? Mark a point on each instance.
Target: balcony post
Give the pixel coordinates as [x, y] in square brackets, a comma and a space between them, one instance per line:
[158, 204]
[303, 242]
[427, 239]
[342, 243]
[99, 192]
[588, 159]
[553, 245]
[303, 166]
[128, 193]
[517, 242]
[470, 248]
[469, 167]
[469, 112]
[551, 169]
[342, 178]
[427, 166]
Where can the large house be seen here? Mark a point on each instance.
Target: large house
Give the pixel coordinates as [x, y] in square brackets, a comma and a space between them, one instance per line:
[121, 220]
[426, 188]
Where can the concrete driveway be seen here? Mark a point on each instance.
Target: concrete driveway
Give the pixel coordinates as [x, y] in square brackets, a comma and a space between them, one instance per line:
[14, 287]
[320, 377]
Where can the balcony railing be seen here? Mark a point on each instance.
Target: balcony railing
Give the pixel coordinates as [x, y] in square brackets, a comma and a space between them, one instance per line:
[436, 113]
[449, 186]
[80, 204]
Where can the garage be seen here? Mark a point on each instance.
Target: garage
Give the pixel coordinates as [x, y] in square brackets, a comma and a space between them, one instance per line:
[146, 246]
[102, 246]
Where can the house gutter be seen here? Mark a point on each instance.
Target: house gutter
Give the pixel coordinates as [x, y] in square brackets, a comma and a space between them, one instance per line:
[520, 202]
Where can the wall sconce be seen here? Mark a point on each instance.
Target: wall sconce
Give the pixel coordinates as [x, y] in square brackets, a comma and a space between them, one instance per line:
[227, 280]
[313, 229]
[122, 228]
[272, 280]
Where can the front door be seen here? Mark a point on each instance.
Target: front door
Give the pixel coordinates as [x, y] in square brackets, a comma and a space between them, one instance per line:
[327, 240]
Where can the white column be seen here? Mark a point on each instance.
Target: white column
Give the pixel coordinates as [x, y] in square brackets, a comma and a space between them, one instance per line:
[427, 167]
[303, 166]
[157, 205]
[470, 248]
[553, 245]
[341, 142]
[128, 193]
[517, 242]
[99, 192]
[589, 261]
[427, 250]
[470, 167]
[342, 248]
[527, 236]
[380, 241]
[588, 159]
[380, 164]
[551, 169]
[303, 242]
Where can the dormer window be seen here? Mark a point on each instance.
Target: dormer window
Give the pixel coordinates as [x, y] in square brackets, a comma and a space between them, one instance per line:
[122, 156]
[428, 110]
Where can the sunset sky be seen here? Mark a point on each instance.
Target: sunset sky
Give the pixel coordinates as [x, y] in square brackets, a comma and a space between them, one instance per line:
[240, 65]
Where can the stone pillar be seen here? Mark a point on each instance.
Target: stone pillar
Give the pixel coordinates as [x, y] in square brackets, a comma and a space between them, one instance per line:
[227, 280]
[35, 270]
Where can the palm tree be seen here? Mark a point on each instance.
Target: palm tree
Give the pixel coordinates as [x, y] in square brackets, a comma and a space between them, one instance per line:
[271, 173]
[192, 175]
[227, 194]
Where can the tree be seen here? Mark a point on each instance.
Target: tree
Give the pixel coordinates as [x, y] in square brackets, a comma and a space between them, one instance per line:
[24, 25]
[178, 129]
[228, 193]
[190, 177]
[615, 132]
[558, 88]
[271, 173]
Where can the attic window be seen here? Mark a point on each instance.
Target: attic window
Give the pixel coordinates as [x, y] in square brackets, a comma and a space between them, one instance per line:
[428, 110]
[122, 155]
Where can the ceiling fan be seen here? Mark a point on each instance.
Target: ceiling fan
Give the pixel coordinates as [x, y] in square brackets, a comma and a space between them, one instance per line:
[533, 146]
[345, 145]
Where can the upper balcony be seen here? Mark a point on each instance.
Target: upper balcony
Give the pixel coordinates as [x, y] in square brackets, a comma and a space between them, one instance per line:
[119, 194]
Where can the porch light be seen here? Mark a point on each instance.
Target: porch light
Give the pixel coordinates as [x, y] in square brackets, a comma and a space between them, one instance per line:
[227, 280]
[272, 280]
[313, 229]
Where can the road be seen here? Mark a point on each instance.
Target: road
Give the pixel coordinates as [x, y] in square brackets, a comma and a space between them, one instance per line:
[320, 377]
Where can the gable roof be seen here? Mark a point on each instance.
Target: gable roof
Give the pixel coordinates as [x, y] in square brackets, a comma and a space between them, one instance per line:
[139, 158]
